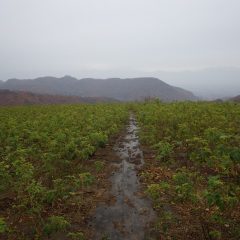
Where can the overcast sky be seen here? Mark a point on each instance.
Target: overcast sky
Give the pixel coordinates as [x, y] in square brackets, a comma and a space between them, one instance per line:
[116, 38]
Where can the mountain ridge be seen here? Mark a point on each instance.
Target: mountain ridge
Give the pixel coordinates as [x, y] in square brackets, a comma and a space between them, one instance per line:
[123, 89]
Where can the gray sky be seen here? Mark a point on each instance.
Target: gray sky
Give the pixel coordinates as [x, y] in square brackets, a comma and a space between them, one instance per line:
[117, 38]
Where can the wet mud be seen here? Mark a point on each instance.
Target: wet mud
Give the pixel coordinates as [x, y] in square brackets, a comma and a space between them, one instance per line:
[130, 214]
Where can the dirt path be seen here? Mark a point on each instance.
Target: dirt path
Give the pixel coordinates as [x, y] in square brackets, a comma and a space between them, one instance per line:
[130, 215]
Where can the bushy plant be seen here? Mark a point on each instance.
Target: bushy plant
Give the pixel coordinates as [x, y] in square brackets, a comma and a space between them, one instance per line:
[5, 176]
[215, 234]
[99, 165]
[184, 185]
[220, 195]
[55, 224]
[3, 225]
[76, 236]
[153, 190]
[86, 178]
[164, 150]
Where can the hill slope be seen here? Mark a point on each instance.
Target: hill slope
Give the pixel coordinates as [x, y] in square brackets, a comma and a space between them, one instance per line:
[235, 99]
[121, 89]
[12, 98]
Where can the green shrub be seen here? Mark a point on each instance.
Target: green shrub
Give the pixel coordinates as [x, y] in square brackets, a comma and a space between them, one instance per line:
[3, 225]
[215, 234]
[164, 150]
[5, 176]
[184, 186]
[99, 165]
[153, 191]
[55, 224]
[86, 178]
[76, 236]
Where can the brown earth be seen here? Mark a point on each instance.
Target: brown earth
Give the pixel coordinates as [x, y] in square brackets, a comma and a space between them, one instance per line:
[13, 98]
[188, 221]
[79, 216]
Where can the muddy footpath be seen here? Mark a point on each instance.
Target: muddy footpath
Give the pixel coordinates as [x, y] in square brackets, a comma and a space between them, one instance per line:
[129, 215]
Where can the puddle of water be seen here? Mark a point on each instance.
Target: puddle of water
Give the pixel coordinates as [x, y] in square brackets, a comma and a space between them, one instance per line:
[130, 216]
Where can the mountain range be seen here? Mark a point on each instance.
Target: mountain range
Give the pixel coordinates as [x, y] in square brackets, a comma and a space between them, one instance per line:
[114, 88]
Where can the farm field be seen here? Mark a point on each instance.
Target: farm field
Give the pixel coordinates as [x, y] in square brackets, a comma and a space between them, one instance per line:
[45, 172]
[58, 163]
[192, 170]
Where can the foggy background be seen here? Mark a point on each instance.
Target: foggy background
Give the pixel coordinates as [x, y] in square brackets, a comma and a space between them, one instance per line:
[189, 43]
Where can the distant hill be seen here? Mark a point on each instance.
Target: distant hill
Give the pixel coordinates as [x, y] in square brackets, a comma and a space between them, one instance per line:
[12, 98]
[235, 99]
[116, 88]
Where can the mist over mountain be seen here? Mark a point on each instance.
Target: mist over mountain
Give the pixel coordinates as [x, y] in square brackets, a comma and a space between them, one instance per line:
[116, 88]
[126, 39]
[208, 83]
